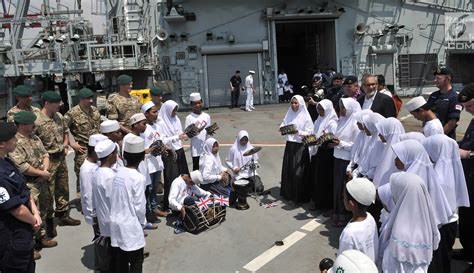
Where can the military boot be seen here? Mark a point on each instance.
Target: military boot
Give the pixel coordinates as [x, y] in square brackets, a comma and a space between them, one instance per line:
[51, 228]
[47, 243]
[36, 255]
[66, 220]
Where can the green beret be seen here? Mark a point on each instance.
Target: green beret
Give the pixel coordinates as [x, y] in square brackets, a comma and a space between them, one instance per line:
[154, 91]
[124, 79]
[24, 117]
[7, 131]
[22, 91]
[85, 93]
[51, 96]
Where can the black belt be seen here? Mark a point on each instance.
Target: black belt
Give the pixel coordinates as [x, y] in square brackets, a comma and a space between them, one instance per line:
[57, 155]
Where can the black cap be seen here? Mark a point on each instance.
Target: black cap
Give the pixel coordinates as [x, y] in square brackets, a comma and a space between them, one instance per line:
[351, 80]
[443, 71]
[337, 76]
[467, 93]
[238, 71]
[7, 131]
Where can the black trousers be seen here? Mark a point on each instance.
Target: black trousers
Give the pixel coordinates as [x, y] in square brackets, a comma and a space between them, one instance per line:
[196, 163]
[16, 255]
[466, 215]
[170, 172]
[340, 166]
[441, 261]
[127, 261]
[235, 97]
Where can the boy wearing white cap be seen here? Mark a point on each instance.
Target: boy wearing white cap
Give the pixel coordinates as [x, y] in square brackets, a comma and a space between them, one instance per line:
[419, 108]
[111, 129]
[155, 163]
[361, 232]
[353, 261]
[201, 120]
[106, 151]
[127, 210]
[249, 90]
[184, 191]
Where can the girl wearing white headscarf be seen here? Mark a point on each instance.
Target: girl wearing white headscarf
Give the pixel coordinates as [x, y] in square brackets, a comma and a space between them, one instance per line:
[212, 170]
[408, 239]
[169, 126]
[414, 159]
[322, 163]
[294, 171]
[357, 151]
[345, 133]
[236, 160]
[389, 130]
[444, 152]
[413, 135]
[374, 146]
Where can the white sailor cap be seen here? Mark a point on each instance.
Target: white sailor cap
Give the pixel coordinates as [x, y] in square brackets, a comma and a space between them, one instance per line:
[194, 96]
[415, 103]
[147, 106]
[136, 118]
[353, 261]
[251, 72]
[196, 177]
[105, 148]
[362, 190]
[96, 138]
[109, 126]
[134, 145]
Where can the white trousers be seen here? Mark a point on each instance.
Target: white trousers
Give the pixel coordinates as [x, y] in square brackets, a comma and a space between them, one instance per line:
[249, 101]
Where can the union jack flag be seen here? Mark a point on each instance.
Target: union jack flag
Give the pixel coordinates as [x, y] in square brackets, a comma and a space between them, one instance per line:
[221, 199]
[203, 204]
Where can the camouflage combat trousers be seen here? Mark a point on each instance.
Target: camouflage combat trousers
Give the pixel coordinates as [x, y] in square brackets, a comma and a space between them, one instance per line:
[78, 160]
[40, 191]
[59, 183]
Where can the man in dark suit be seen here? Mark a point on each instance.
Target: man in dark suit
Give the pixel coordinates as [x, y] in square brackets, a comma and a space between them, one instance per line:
[376, 101]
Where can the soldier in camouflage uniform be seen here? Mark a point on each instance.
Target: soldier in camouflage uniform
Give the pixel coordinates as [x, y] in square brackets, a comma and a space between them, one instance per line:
[32, 161]
[23, 95]
[54, 134]
[122, 106]
[83, 120]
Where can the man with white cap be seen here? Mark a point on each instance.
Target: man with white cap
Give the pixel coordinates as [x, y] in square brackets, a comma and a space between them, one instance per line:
[249, 90]
[154, 163]
[111, 129]
[353, 261]
[106, 151]
[361, 232]
[419, 108]
[201, 120]
[184, 191]
[128, 217]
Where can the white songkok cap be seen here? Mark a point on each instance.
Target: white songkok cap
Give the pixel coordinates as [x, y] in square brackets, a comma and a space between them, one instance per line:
[134, 145]
[415, 103]
[96, 138]
[353, 261]
[136, 118]
[196, 177]
[109, 126]
[362, 190]
[194, 97]
[251, 72]
[104, 148]
[147, 106]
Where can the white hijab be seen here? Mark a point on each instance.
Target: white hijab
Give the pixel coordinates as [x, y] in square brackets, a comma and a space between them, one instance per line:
[413, 135]
[326, 124]
[374, 146]
[208, 155]
[357, 150]
[301, 119]
[347, 127]
[416, 161]
[391, 129]
[409, 237]
[236, 152]
[444, 152]
[172, 125]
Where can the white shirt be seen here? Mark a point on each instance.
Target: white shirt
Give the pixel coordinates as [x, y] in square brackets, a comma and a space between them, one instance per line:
[86, 175]
[362, 236]
[210, 170]
[143, 166]
[368, 102]
[127, 210]
[119, 162]
[101, 190]
[433, 127]
[197, 142]
[249, 82]
[180, 190]
[386, 92]
[151, 134]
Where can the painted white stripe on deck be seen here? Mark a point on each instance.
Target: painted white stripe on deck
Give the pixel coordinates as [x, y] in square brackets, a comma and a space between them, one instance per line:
[271, 253]
[312, 225]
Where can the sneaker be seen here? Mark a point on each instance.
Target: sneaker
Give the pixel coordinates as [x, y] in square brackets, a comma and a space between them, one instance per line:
[251, 107]
[248, 110]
